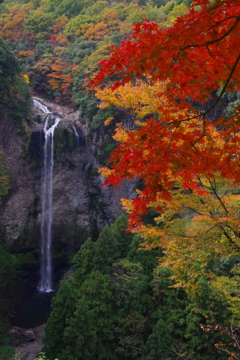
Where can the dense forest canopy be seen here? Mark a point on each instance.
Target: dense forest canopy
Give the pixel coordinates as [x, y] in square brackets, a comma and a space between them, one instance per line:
[114, 306]
[56, 41]
[59, 43]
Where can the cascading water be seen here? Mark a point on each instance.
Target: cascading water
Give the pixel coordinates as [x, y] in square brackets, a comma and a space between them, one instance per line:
[41, 107]
[46, 224]
[45, 284]
[77, 141]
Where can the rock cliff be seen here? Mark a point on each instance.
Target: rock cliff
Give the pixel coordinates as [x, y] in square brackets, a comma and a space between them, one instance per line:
[81, 206]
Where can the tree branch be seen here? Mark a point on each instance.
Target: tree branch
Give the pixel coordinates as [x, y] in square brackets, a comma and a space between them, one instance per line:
[215, 40]
[203, 114]
[216, 194]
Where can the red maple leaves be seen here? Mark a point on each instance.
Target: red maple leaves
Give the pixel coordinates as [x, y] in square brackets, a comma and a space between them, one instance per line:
[197, 55]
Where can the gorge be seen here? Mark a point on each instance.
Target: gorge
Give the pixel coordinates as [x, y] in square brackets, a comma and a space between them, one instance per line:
[64, 203]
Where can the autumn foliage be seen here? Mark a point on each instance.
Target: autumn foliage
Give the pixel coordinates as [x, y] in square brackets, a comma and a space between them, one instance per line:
[189, 61]
[194, 53]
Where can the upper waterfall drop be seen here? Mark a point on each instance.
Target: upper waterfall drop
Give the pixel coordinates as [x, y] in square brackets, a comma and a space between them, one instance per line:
[45, 284]
[41, 107]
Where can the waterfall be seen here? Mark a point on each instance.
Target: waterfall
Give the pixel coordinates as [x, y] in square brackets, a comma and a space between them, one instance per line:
[45, 284]
[77, 142]
[41, 107]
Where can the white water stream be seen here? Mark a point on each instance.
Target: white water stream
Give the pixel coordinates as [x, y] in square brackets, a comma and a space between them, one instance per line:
[77, 142]
[45, 284]
[41, 107]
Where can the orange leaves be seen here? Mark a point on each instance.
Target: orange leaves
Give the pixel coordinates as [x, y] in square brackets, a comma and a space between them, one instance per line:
[12, 30]
[188, 167]
[58, 79]
[25, 53]
[189, 59]
[228, 347]
[58, 39]
[166, 148]
[57, 76]
[97, 32]
[193, 53]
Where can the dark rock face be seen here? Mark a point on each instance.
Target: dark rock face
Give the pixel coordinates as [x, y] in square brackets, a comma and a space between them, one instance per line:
[81, 206]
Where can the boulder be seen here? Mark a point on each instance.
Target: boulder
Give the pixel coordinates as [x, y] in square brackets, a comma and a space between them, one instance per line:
[15, 337]
[28, 335]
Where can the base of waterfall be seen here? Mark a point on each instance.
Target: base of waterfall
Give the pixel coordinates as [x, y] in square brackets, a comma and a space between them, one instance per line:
[44, 290]
[33, 310]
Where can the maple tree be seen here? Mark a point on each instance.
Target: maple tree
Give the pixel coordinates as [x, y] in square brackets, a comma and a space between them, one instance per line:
[197, 232]
[194, 60]
[198, 225]
[59, 80]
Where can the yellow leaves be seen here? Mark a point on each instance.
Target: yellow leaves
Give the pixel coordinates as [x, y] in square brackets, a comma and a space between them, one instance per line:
[25, 53]
[54, 84]
[121, 133]
[177, 11]
[195, 230]
[149, 232]
[108, 98]
[44, 65]
[127, 205]
[197, 227]
[140, 99]
[26, 78]
[59, 50]
[62, 39]
[108, 120]
[97, 32]
[105, 171]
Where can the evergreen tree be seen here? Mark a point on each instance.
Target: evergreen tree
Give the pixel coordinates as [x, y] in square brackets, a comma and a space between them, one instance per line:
[83, 260]
[106, 249]
[63, 308]
[119, 308]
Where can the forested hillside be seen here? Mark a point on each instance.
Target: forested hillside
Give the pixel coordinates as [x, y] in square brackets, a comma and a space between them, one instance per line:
[118, 305]
[59, 43]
